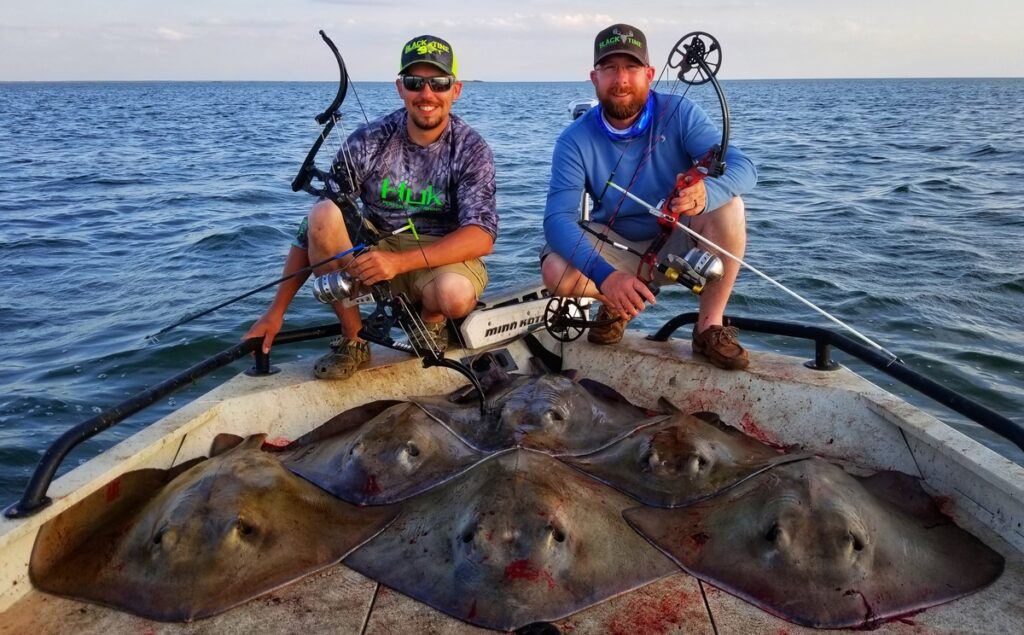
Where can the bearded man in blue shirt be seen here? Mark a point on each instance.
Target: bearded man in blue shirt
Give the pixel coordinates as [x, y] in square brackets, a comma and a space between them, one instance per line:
[642, 140]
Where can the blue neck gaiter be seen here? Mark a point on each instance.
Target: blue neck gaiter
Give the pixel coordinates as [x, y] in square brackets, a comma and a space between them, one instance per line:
[639, 127]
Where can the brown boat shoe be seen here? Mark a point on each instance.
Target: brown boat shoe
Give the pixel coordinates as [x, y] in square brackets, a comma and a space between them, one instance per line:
[345, 358]
[720, 346]
[437, 332]
[609, 333]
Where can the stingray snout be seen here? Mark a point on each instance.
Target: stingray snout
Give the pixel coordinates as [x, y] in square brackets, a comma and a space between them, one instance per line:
[818, 540]
[551, 417]
[690, 462]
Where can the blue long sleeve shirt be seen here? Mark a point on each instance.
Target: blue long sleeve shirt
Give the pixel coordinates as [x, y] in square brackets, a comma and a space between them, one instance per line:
[584, 158]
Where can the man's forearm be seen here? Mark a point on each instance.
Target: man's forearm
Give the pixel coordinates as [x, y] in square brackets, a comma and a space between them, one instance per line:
[296, 260]
[465, 243]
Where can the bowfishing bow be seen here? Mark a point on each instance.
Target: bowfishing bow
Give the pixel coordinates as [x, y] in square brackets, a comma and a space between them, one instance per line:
[701, 54]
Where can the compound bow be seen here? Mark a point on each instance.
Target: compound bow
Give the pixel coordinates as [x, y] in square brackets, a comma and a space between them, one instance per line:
[696, 51]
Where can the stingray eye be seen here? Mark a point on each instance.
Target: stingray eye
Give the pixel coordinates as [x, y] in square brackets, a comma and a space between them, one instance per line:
[557, 534]
[773, 533]
[855, 541]
[650, 458]
[412, 449]
[557, 416]
[467, 535]
[356, 449]
[159, 536]
[244, 528]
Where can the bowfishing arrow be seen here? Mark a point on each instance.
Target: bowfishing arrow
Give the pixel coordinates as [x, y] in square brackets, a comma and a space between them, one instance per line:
[659, 212]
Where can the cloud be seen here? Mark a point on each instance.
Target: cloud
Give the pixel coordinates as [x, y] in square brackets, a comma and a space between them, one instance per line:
[170, 35]
[575, 21]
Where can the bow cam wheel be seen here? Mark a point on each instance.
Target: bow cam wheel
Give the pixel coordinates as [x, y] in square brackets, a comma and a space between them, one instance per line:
[561, 317]
[697, 51]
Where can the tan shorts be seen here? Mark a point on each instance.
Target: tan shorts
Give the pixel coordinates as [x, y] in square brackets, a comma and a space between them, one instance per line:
[679, 242]
[413, 282]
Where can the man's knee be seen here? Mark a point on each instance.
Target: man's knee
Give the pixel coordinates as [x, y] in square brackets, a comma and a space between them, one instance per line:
[557, 277]
[451, 294]
[325, 221]
[734, 214]
[728, 220]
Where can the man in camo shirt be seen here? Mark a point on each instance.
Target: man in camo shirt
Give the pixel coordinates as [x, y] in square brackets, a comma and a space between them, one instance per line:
[419, 161]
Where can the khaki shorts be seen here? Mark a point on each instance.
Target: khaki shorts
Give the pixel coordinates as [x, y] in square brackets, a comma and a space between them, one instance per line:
[679, 242]
[413, 282]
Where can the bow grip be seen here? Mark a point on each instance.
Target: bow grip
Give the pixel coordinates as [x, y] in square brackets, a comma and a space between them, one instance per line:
[691, 177]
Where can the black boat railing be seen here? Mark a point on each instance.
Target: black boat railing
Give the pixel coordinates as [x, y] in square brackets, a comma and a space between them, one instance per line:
[34, 498]
[824, 339]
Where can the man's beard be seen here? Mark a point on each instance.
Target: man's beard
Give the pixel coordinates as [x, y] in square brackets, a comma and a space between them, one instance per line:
[426, 122]
[623, 110]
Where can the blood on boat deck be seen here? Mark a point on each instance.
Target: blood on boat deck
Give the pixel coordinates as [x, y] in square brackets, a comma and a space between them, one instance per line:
[340, 600]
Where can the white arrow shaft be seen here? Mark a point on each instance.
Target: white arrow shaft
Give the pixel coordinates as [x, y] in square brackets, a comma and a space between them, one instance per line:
[657, 212]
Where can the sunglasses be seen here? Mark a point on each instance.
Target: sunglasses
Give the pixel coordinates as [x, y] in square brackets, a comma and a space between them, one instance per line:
[440, 84]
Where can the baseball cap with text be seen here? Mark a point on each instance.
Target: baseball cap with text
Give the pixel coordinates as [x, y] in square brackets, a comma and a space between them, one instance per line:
[621, 38]
[429, 49]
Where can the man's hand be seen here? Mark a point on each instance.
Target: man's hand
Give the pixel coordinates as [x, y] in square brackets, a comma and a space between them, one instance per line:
[691, 200]
[625, 294]
[266, 327]
[376, 266]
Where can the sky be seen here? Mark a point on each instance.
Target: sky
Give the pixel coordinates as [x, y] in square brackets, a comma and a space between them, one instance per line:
[524, 40]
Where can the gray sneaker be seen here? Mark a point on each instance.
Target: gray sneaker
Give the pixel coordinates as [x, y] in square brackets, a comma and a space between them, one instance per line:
[345, 358]
[436, 331]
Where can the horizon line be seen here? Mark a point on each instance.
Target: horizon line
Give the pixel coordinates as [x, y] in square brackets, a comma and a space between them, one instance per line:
[473, 81]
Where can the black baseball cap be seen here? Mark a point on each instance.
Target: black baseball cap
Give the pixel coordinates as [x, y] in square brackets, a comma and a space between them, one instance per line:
[621, 38]
[429, 49]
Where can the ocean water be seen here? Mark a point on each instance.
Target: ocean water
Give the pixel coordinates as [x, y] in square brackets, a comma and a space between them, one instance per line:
[896, 204]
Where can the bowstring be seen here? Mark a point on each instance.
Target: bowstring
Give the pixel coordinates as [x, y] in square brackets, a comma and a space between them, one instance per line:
[423, 253]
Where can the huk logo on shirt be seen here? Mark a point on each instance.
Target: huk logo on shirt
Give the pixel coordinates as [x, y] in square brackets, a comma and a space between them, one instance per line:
[402, 196]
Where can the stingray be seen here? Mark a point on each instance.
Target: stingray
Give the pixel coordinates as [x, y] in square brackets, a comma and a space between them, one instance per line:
[552, 413]
[813, 545]
[397, 454]
[518, 539]
[225, 531]
[680, 459]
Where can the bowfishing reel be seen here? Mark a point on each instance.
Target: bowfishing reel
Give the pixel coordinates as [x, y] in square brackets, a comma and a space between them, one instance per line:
[694, 270]
[336, 286]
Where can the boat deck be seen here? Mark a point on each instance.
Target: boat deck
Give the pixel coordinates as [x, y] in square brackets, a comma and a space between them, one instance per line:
[837, 415]
[340, 600]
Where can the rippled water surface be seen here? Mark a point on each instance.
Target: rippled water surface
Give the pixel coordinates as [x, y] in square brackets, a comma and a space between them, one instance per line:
[895, 203]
